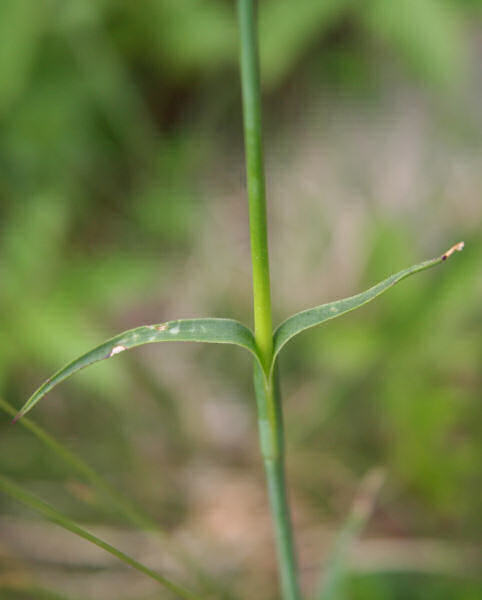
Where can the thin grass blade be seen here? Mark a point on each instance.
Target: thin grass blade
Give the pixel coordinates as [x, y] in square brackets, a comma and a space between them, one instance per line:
[217, 331]
[87, 473]
[23, 589]
[50, 513]
[337, 569]
[131, 513]
[319, 314]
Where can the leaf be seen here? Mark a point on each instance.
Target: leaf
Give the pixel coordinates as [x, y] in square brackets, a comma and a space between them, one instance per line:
[86, 472]
[115, 499]
[337, 565]
[22, 495]
[225, 331]
[220, 331]
[319, 314]
[24, 589]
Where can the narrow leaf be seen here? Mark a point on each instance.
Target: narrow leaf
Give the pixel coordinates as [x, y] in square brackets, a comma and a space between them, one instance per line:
[50, 513]
[87, 473]
[129, 511]
[24, 589]
[315, 316]
[337, 566]
[221, 331]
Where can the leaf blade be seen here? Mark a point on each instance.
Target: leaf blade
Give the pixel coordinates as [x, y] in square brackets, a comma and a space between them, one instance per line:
[131, 512]
[210, 330]
[50, 513]
[319, 314]
[331, 586]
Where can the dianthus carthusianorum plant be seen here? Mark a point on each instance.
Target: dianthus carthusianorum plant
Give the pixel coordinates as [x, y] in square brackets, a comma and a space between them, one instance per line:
[264, 344]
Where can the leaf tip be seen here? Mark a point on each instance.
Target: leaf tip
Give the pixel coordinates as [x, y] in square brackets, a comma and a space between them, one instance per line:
[455, 248]
[18, 416]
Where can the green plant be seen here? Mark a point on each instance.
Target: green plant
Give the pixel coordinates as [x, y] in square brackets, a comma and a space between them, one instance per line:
[264, 345]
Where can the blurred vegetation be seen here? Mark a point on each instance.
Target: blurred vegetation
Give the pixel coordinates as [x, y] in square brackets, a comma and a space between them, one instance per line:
[119, 133]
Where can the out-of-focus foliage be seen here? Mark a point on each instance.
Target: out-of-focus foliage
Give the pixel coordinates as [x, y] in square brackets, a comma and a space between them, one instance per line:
[119, 145]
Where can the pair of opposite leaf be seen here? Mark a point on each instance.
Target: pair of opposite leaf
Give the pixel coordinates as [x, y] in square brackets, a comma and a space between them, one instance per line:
[226, 331]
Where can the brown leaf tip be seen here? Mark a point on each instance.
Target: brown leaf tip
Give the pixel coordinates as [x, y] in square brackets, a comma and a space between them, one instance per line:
[455, 248]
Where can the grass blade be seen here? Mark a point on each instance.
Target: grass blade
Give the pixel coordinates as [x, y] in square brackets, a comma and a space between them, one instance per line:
[87, 473]
[30, 591]
[220, 331]
[50, 513]
[319, 314]
[124, 507]
[331, 587]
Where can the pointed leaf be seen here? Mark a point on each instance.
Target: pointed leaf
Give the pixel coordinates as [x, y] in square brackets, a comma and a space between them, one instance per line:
[50, 513]
[315, 316]
[221, 331]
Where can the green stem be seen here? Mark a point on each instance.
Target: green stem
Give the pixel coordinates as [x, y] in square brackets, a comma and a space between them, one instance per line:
[263, 329]
[271, 431]
[266, 386]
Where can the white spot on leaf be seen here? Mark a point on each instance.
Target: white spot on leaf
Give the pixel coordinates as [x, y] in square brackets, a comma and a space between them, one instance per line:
[175, 330]
[116, 350]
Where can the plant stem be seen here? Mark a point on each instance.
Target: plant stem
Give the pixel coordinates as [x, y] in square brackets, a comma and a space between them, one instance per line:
[266, 387]
[263, 330]
[270, 422]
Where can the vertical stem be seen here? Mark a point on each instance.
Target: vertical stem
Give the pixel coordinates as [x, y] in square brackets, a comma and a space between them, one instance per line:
[267, 391]
[270, 420]
[255, 178]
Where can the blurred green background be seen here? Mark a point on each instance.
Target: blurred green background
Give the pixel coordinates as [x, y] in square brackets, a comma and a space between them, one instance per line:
[123, 203]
